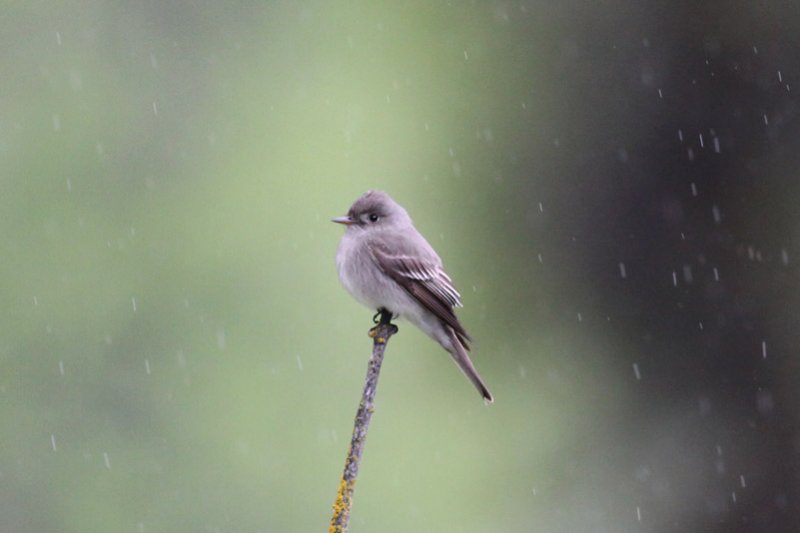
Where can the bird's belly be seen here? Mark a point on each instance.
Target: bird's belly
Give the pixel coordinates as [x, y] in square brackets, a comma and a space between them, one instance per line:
[370, 286]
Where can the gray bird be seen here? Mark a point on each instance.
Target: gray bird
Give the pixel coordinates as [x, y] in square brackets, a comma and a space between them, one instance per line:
[384, 262]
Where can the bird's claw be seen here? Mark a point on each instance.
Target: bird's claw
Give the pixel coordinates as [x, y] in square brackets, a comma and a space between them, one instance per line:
[375, 333]
[382, 317]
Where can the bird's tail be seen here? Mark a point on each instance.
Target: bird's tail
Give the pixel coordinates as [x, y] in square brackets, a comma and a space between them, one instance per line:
[463, 361]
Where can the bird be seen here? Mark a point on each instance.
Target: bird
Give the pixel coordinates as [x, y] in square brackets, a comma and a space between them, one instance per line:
[385, 263]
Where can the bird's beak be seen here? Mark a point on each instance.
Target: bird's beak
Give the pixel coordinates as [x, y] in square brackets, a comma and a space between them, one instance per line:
[346, 220]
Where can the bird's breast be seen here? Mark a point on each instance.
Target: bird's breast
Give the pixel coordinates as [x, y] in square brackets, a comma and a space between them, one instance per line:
[362, 278]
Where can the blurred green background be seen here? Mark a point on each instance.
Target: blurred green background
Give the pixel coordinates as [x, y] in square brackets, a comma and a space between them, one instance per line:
[178, 355]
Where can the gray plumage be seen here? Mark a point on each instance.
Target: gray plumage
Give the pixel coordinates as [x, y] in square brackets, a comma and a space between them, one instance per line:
[384, 262]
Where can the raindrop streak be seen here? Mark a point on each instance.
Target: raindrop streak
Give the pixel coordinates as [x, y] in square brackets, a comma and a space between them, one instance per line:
[541, 207]
[687, 273]
[155, 108]
[61, 367]
[636, 371]
[107, 460]
[58, 38]
[741, 481]
[466, 57]
[53, 442]
[763, 349]
[680, 135]
[35, 300]
[69, 185]
[694, 189]
[780, 77]
[717, 215]
[733, 496]
[766, 120]
[716, 274]
[299, 363]
[56, 123]
[660, 94]
[784, 256]
[674, 279]
[580, 317]
[153, 60]
[716, 144]
[638, 514]
[133, 303]
[702, 144]
[540, 257]
[622, 271]
[147, 366]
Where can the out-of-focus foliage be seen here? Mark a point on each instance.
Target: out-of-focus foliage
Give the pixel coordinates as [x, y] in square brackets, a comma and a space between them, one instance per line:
[612, 187]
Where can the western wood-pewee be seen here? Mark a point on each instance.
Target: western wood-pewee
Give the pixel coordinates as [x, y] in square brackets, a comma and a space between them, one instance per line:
[384, 262]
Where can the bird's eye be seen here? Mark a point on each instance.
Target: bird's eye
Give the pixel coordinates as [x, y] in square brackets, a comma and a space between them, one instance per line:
[373, 217]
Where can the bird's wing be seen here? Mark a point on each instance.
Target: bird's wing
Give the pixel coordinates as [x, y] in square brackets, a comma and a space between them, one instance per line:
[427, 282]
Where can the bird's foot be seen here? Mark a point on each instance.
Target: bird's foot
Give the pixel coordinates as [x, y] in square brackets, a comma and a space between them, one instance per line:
[382, 318]
[373, 332]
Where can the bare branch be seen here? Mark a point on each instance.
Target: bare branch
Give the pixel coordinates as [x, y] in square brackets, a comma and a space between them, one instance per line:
[344, 496]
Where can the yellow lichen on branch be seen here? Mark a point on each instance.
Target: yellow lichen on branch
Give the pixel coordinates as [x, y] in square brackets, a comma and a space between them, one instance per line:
[342, 505]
